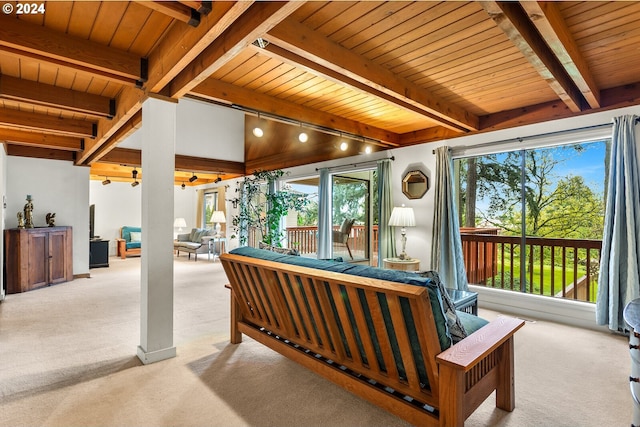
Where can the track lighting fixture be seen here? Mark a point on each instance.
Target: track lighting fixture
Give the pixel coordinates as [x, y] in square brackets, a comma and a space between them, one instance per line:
[134, 173]
[193, 178]
[257, 131]
[135, 183]
[183, 186]
[302, 137]
[106, 181]
[217, 180]
[367, 149]
[344, 146]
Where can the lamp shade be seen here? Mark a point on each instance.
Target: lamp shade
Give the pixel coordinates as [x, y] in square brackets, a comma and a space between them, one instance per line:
[402, 217]
[218, 217]
[179, 223]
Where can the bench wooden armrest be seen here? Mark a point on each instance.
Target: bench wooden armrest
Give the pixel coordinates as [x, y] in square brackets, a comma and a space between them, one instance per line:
[462, 369]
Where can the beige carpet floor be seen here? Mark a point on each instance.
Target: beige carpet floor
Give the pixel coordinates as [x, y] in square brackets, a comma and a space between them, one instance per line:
[67, 358]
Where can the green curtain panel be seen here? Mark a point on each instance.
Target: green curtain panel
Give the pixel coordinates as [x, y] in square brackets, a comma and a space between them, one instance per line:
[619, 276]
[446, 246]
[386, 240]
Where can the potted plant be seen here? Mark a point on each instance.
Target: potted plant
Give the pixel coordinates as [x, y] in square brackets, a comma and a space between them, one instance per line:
[261, 207]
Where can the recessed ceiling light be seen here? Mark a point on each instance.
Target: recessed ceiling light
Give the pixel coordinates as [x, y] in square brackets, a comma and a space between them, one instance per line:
[344, 146]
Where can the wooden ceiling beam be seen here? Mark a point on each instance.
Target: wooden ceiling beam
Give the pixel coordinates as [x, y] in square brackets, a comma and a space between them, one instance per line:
[24, 38]
[166, 61]
[203, 7]
[131, 157]
[175, 10]
[323, 54]
[35, 93]
[44, 140]
[254, 23]
[45, 123]
[40, 153]
[128, 103]
[123, 132]
[227, 93]
[514, 22]
[553, 29]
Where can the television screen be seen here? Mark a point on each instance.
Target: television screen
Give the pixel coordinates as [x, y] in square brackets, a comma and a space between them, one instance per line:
[92, 210]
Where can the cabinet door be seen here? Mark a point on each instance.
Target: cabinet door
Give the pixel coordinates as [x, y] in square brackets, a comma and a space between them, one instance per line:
[56, 250]
[38, 260]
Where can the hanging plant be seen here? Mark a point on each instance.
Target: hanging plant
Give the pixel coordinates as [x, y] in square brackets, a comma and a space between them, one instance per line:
[262, 207]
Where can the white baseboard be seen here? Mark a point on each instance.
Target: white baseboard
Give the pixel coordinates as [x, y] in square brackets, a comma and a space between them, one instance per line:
[537, 307]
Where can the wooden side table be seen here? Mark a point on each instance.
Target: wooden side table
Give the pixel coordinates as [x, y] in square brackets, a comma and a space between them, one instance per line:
[401, 264]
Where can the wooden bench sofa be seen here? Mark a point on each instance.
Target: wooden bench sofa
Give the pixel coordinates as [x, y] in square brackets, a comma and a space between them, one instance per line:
[379, 339]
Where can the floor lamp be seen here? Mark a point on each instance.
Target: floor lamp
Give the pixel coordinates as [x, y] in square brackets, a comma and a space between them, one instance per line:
[403, 217]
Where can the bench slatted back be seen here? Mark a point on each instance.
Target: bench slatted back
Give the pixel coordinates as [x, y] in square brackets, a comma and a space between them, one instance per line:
[382, 330]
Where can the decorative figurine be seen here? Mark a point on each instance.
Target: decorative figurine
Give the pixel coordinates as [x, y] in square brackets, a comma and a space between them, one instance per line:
[20, 220]
[51, 219]
[28, 213]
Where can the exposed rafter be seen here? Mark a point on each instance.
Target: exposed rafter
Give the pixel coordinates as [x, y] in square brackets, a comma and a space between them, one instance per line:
[42, 140]
[45, 123]
[512, 19]
[254, 23]
[21, 38]
[546, 17]
[34, 93]
[175, 10]
[334, 62]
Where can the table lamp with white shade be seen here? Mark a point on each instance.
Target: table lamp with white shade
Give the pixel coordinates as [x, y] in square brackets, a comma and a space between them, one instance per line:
[179, 223]
[403, 217]
[218, 218]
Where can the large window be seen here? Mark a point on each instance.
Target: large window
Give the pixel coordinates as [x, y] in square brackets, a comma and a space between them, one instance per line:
[210, 205]
[532, 220]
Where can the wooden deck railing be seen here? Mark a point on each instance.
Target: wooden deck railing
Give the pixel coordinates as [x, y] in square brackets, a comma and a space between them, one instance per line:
[305, 239]
[565, 268]
[562, 268]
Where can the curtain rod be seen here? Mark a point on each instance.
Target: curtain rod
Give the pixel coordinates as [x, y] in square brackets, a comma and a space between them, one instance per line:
[392, 158]
[525, 138]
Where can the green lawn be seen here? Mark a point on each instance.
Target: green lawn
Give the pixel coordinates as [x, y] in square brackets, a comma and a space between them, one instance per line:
[545, 274]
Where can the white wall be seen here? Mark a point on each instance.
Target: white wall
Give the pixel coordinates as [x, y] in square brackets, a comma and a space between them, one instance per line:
[204, 130]
[55, 186]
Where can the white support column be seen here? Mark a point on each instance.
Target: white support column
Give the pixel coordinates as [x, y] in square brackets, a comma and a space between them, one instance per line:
[158, 163]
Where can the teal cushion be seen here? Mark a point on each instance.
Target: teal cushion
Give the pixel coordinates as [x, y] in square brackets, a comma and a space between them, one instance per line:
[126, 232]
[470, 322]
[133, 245]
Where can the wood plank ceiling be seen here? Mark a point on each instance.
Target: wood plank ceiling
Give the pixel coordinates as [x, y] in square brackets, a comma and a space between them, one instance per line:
[73, 75]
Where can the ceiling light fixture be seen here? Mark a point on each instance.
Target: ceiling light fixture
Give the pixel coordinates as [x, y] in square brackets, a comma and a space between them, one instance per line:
[193, 178]
[367, 149]
[344, 146]
[134, 173]
[302, 137]
[257, 131]
[217, 180]
[135, 183]
[183, 186]
[106, 181]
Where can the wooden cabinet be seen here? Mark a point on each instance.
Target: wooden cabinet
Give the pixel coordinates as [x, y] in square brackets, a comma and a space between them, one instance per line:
[37, 257]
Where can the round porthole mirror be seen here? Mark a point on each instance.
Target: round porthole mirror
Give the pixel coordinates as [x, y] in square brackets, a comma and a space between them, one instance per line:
[415, 184]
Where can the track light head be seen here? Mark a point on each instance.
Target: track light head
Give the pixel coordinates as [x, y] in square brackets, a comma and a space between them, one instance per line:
[134, 173]
[183, 186]
[135, 183]
[107, 181]
[344, 146]
[193, 178]
[217, 180]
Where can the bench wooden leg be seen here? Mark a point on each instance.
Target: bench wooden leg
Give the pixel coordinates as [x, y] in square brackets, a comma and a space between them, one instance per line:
[451, 383]
[235, 334]
[506, 391]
